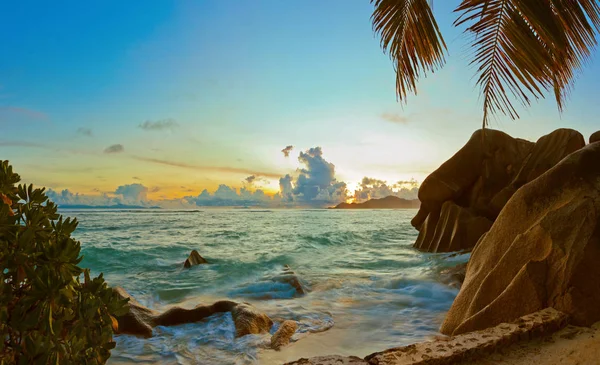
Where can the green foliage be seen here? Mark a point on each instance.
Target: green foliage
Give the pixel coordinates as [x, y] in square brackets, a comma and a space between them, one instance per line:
[51, 311]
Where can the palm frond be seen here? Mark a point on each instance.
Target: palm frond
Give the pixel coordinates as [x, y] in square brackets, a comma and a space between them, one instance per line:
[410, 35]
[526, 47]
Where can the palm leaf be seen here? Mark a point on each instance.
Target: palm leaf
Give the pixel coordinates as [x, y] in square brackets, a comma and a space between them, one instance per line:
[526, 47]
[410, 35]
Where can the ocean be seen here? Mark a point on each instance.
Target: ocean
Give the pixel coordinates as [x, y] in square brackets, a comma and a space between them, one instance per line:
[367, 288]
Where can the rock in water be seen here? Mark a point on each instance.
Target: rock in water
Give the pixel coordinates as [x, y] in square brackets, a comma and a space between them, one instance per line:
[138, 321]
[176, 315]
[194, 259]
[595, 137]
[457, 228]
[282, 337]
[248, 320]
[542, 251]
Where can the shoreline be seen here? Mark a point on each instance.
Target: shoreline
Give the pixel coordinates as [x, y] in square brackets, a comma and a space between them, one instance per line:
[544, 337]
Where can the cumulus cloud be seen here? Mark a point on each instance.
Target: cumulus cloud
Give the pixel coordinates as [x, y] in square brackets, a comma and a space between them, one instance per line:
[227, 196]
[115, 148]
[375, 189]
[159, 125]
[66, 197]
[84, 131]
[133, 193]
[394, 118]
[287, 150]
[315, 184]
[286, 190]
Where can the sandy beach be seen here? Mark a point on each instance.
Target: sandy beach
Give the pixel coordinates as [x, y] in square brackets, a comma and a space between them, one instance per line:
[569, 346]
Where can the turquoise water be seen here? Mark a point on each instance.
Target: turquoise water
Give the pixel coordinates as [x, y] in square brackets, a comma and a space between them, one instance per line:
[368, 288]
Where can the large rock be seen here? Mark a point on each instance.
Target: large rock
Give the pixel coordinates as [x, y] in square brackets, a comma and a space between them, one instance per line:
[330, 360]
[456, 229]
[488, 162]
[194, 259]
[248, 320]
[595, 137]
[542, 251]
[547, 152]
[140, 320]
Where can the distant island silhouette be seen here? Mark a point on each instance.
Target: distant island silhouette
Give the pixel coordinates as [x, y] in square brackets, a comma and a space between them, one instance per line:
[114, 206]
[389, 202]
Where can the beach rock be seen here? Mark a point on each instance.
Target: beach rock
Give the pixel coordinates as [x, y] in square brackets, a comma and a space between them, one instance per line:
[489, 167]
[282, 337]
[547, 152]
[248, 320]
[138, 321]
[289, 276]
[595, 137]
[454, 276]
[420, 218]
[176, 315]
[330, 360]
[194, 259]
[542, 251]
[470, 346]
[457, 228]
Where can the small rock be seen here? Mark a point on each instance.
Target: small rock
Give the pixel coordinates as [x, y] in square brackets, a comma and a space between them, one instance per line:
[194, 259]
[283, 334]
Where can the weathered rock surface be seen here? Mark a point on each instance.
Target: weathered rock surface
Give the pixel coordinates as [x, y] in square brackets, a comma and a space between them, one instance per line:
[542, 251]
[595, 137]
[330, 360]
[289, 276]
[493, 159]
[282, 337]
[480, 178]
[194, 259]
[457, 228]
[547, 152]
[140, 320]
[248, 320]
[472, 345]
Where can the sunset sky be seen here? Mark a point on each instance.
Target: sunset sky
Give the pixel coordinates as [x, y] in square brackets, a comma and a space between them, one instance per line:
[164, 99]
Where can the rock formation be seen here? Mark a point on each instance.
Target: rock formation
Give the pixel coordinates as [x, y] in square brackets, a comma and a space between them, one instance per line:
[194, 259]
[140, 320]
[456, 228]
[461, 199]
[542, 251]
[248, 320]
[282, 337]
[595, 137]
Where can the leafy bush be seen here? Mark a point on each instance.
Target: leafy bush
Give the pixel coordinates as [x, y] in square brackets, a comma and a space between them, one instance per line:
[49, 313]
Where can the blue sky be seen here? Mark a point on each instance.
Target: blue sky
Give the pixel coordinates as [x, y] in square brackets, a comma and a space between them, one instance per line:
[227, 85]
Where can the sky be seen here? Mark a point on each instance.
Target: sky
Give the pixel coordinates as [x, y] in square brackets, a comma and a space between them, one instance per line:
[194, 102]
